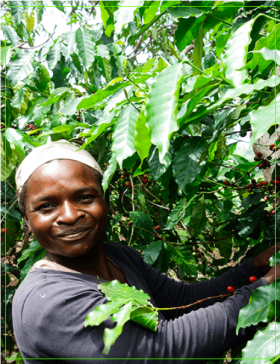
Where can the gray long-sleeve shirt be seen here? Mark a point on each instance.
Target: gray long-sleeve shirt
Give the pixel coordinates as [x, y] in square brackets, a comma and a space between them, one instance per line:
[50, 307]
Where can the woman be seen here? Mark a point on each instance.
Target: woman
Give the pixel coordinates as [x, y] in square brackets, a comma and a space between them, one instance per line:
[61, 197]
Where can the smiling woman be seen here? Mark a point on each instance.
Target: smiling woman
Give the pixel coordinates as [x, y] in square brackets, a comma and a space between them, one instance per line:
[64, 206]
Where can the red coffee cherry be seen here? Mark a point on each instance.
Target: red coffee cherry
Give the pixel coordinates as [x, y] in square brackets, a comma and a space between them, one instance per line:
[265, 200]
[252, 279]
[145, 176]
[128, 184]
[145, 180]
[230, 289]
[226, 182]
[3, 231]
[157, 227]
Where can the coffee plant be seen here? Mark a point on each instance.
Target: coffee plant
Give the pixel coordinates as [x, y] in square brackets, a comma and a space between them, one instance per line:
[156, 92]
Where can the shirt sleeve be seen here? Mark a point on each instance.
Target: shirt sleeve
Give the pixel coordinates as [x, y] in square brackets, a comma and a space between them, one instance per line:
[53, 315]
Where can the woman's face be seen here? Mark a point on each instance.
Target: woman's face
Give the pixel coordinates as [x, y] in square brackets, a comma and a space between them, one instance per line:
[65, 208]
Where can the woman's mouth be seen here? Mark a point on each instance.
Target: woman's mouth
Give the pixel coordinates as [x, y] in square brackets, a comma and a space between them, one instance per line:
[74, 236]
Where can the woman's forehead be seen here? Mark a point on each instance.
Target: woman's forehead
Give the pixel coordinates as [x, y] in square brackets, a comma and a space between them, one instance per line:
[60, 173]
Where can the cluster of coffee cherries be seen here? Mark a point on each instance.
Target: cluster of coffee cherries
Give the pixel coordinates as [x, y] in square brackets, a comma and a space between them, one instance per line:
[231, 289]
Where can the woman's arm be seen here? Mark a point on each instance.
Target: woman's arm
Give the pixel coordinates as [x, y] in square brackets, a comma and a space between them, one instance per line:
[49, 323]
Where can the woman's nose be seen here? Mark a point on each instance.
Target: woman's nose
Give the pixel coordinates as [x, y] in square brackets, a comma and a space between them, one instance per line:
[69, 213]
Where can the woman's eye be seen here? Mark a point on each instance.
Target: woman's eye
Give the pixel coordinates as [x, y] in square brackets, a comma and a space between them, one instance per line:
[86, 198]
[46, 206]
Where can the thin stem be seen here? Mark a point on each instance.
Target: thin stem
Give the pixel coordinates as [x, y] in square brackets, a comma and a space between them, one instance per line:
[133, 207]
[42, 43]
[9, 209]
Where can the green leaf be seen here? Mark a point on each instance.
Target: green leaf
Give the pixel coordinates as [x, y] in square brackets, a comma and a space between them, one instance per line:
[263, 346]
[56, 95]
[20, 67]
[141, 137]
[9, 240]
[198, 218]
[89, 102]
[270, 42]
[246, 89]
[108, 174]
[269, 54]
[150, 12]
[102, 312]
[185, 12]
[39, 8]
[30, 21]
[187, 31]
[5, 56]
[161, 107]
[183, 256]
[151, 253]
[143, 222]
[18, 99]
[16, 138]
[71, 107]
[17, 10]
[198, 50]
[85, 46]
[69, 43]
[103, 51]
[135, 36]
[186, 166]
[258, 307]
[12, 34]
[53, 55]
[145, 316]
[59, 5]
[8, 158]
[32, 248]
[123, 136]
[110, 335]
[125, 13]
[38, 255]
[274, 259]
[156, 168]
[236, 54]
[263, 118]
[249, 220]
[225, 245]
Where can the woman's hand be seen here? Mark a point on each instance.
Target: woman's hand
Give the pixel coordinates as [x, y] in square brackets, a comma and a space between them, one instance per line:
[273, 274]
[261, 261]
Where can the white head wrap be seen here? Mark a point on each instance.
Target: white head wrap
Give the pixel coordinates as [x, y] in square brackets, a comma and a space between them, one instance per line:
[51, 151]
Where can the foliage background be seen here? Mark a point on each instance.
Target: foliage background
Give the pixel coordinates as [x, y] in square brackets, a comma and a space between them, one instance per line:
[161, 129]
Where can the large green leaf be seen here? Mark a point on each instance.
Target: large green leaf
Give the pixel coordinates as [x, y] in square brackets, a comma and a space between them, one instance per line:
[143, 222]
[249, 220]
[69, 42]
[108, 174]
[183, 256]
[198, 218]
[123, 136]
[20, 67]
[53, 55]
[150, 12]
[246, 89]
[257, 309]
[141, 137]
[17, 10]
[32, 259]
[186, 166]
[39, 8]
[89, 102]
[263, 118]
[125, 303]
[224, 245]
[57, 94]
[236, 54]
[32, 248]
[264, 346]
[269, 54]
[5, 56]
[271, 42]
[85, 45]
[8, 159]
[18, 99]
[161, 107]
[151, 253]
[125, 13]
[187, 31]
[11, 35]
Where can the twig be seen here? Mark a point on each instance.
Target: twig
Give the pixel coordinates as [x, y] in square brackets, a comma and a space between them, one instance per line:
[122, 199]
[188, 48]
[221, 165]
[162, 207]
[235, 132]
[9, 209]
[199, 301]
[135, 49]
[42, 43]
[133, 207]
